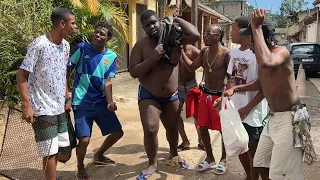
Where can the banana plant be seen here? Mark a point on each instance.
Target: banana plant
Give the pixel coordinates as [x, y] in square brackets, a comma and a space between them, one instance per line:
[90, 11]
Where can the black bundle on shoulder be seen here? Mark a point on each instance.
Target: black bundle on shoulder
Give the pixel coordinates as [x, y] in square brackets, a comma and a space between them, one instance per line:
[171, 35]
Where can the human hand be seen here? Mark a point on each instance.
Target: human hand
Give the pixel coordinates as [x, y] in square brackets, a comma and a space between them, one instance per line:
[112, 106]
[28, 114]
[217, 104]
[257, 18]
[159, 50]
[228, 93]
[67, 106]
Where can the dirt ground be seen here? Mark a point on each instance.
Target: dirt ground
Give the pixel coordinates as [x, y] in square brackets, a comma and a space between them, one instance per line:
[130, 155]
[129, 152]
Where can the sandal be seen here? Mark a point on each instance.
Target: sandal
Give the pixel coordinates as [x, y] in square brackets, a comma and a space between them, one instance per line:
[177, 162]
[220, 170]
[105, 162]
[145, 175]
[205, 165]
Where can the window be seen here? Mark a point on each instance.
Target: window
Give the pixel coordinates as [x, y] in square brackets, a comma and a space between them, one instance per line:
[305, 49]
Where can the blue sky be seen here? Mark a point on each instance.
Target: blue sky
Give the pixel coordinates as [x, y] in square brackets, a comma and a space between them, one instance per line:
[274, 4]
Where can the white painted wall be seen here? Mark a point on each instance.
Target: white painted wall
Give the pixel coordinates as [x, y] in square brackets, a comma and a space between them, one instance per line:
[311, 34]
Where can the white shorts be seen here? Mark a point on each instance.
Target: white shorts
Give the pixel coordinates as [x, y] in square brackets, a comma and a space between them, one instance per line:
[276, 149]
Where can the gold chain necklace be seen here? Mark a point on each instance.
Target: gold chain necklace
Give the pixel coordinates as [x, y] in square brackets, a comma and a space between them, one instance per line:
[210, 65]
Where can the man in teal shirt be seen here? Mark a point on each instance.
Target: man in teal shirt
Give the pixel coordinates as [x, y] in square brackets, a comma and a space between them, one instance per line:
[94, 66]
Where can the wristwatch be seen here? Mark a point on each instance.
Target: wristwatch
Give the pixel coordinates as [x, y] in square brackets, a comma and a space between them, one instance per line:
[67, 100]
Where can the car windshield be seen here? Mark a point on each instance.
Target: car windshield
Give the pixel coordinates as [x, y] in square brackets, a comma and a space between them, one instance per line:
[305, 49]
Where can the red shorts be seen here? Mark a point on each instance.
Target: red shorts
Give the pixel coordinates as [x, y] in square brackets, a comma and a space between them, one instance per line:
[207, 116]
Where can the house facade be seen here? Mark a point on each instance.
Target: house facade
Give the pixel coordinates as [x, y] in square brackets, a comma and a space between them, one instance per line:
[230, 9]
[306, 29]
[134, 9]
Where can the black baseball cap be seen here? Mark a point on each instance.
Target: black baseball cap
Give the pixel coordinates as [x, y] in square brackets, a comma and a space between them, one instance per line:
[267, 28]
[243, 21]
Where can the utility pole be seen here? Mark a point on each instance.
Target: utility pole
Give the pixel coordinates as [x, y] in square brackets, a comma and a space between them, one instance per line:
[194, 13]
[241, 7]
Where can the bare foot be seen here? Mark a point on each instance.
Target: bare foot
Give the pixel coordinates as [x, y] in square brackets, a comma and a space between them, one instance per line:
[150, 169]
[184, 146]
[82, 174]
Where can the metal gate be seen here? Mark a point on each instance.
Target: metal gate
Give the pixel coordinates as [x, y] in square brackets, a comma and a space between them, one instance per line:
[123, 54]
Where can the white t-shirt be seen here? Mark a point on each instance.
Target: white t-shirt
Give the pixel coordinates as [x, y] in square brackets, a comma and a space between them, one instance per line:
[243, 68]
[47, 64]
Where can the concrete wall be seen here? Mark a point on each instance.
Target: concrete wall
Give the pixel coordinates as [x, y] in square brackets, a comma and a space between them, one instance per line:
[281, 36]
[229, 9]
[133, 23]
[304, 14]
[311, 33]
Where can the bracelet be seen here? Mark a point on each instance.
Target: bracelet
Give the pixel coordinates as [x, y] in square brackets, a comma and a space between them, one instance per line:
[67, 100]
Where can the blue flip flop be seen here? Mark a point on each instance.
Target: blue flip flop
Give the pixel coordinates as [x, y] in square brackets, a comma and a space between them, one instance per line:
[220, 169]
[145, 175]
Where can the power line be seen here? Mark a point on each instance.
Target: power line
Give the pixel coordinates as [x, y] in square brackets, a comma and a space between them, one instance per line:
[255, 1]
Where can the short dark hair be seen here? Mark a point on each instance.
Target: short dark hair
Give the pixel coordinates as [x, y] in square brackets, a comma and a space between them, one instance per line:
[243, 22]
[60, 14]
[221, 31]
[105, 24]
[147, 13]
[268, 32]
[270, 38]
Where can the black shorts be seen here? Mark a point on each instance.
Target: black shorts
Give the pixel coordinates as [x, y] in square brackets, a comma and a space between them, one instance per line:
[253, 132]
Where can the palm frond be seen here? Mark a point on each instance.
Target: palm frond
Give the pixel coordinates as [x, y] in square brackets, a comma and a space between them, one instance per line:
[94, 6]
[77, 3]
[117, 16]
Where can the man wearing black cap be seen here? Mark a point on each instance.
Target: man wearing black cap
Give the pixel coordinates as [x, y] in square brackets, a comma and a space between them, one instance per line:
[243, 68]
[276, 157]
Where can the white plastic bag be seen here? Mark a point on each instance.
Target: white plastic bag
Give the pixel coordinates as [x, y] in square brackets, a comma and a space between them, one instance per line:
[235, 136]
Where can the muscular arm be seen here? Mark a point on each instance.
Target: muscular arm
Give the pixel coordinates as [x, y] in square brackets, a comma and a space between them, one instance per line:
[256, 100]
[190, 32]
[139, 67]
[264, 56]
[191, 65]
[22, 79]
[108, 90]
[194, 52]
[252, 86]
[68, 99]
[67, 78]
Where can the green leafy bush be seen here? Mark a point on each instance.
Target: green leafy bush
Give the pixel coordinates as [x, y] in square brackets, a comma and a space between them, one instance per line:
[20, 22]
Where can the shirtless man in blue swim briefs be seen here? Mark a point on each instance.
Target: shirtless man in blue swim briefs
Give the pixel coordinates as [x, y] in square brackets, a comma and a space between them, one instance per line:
[158, 94]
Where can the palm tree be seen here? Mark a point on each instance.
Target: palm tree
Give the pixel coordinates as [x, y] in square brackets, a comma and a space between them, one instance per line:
[90, 11]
